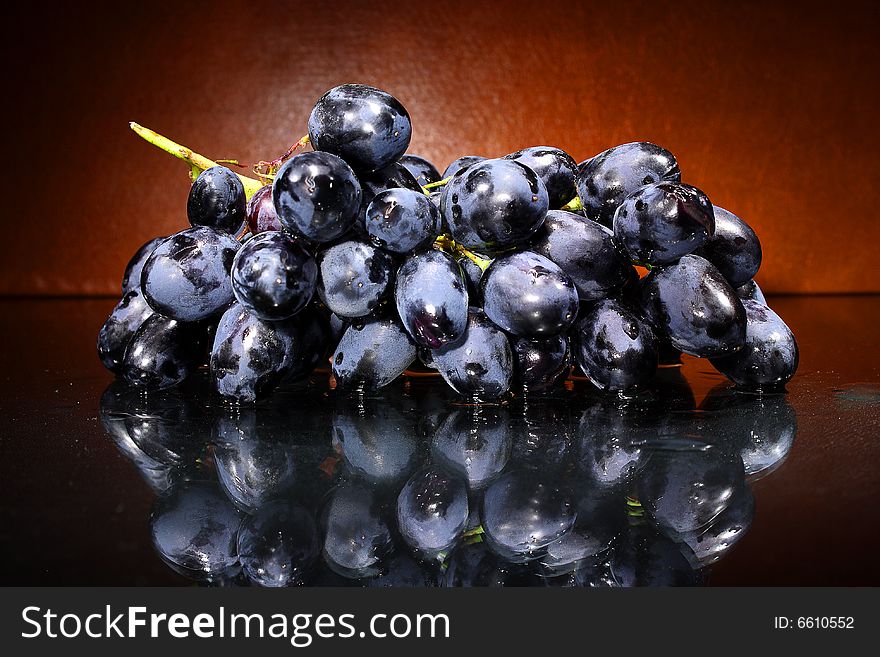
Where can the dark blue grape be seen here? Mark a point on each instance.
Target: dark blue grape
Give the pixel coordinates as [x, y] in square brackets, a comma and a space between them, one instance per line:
[251, 356]
[611, 435]
[402, 220]
[432, 510]
[217, 200]
[460, 163]
[187, 276]
[584, 250]
[711, 543]
[695, 307]
[355, 278]
[376, 441]
[278, 545]
[316, 195]
[255, 461]
[273, 276]
[770, 355]
[162, 353]
[528, 295]
[356, 538]
[131, 280]
[556, 168]
[734, 248]
[432, 299]
[474, 443]
[261, 215]
[659, 223]
[615, 347]
[372, 354]
[686, 489]
[366, 127]
[752, 291]
[494, 205]
[762, 427]
[394, 176]
[481, 362]
[538, 364]
[423, 171]
[195, 529]
[522, 515]
[609, 177]
[116, 333]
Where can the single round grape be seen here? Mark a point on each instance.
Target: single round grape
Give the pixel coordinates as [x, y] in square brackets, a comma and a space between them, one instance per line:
[195, 529]
[278, 544]
[355, 278]
[610, 445]
[584, 250]
[522, 515]
[494, 205]
[432, 299]
[372, 354]
[273, 276]
[162, 353]
[316, 195]
[605, 180]
[769, 357]
[376, 440]
[187, 276]
[659, 223]
[250, 356]
[711, 543]
[695, 307]
[615, 347]
[394, 176]
[538, 364]
[217, 200]
[131, 279]
[402, 220]
[115, 335]
[751, 290]
[423, 171]
[366, 127]
[481, 362]
[356, 538]
[474, 443]
[556, 168]
[685, 490]
[261, 215]
[460, 163]
[734, 248]
[432, 510]
[528, 295]
[255, 460]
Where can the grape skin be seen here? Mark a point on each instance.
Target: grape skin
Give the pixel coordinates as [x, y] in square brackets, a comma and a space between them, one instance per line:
[556, 168]
[354, 278]
[217, 200]
[372, 354]
[431, 299]
[529, 296]
[734, 248]
[402, 221]
[187, 276]
[131, 279]
[116, 333]
[422, 170]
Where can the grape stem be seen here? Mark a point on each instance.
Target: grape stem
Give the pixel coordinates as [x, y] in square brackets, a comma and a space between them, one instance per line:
[196, 162]
[447, 244]
[574, 205]
[427, 189]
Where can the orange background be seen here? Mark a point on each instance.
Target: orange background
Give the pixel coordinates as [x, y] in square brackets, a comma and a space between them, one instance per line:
[770, 108]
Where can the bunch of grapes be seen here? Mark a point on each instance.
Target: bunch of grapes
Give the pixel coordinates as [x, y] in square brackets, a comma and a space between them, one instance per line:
[498, 273]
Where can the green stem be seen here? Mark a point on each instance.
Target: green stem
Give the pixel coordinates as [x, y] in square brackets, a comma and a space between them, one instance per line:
[432, 186]
[196, 162]
[574, 205]
[446, 243]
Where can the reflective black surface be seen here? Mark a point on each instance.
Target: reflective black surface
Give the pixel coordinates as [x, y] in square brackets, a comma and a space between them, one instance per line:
[687, 482]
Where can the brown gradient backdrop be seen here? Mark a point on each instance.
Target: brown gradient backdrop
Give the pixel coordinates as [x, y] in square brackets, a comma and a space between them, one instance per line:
[770, 108]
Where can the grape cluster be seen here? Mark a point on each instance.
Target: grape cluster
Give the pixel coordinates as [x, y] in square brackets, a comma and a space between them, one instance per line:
[500, 273]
